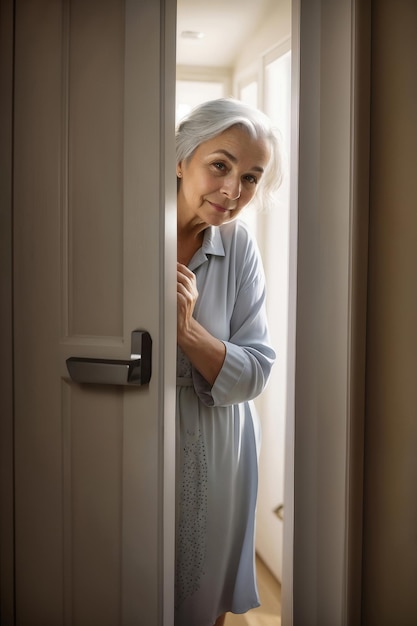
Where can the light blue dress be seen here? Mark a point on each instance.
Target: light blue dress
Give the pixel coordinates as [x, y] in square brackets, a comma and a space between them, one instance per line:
[218, 434]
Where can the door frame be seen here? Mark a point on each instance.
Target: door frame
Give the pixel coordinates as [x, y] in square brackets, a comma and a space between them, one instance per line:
[328, 282]
[6, 315]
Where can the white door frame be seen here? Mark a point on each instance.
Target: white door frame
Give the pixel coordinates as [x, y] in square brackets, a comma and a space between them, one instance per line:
[328, 265]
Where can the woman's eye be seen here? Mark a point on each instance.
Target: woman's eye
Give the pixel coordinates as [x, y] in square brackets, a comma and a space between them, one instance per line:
[219, 166]
[250, 178]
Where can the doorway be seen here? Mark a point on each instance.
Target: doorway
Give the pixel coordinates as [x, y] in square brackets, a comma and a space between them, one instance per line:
[258, 71]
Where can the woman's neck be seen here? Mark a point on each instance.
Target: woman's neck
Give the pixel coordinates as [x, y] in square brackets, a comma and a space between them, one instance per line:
[188, 244]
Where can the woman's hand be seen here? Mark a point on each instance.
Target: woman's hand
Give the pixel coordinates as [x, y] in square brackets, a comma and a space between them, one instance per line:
[205, 352]
[187, 295]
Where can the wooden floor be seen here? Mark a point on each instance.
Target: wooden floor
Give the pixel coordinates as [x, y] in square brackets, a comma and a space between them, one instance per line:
[269, 613]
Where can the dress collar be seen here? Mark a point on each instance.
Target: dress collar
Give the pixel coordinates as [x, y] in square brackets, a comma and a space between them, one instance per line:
[212, 245]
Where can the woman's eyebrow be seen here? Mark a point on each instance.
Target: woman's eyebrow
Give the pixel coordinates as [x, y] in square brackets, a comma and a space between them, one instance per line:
[229, 155]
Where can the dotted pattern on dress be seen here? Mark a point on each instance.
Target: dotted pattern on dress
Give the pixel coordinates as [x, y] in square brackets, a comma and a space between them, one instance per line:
[184, 368]
[192, 525]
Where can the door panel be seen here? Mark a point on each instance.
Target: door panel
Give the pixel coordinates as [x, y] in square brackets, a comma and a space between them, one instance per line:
[93, 77]
[93, 504]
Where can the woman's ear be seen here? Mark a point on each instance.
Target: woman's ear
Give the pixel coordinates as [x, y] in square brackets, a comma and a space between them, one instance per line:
[179, 169]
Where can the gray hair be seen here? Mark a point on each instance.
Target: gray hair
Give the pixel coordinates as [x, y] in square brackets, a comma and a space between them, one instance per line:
[212, 118]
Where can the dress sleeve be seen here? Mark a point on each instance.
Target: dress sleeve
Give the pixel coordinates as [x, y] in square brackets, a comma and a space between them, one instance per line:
[249, 354]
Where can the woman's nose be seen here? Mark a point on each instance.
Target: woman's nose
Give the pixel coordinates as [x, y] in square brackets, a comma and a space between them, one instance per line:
[232, 188]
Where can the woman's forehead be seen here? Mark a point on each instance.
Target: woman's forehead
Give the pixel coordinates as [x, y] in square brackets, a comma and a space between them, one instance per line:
[236, 144]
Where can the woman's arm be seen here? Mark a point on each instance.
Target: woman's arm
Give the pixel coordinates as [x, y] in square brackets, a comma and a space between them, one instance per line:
[234, 303]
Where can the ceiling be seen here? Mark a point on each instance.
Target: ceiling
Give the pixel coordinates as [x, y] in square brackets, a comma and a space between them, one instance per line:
[226, 24]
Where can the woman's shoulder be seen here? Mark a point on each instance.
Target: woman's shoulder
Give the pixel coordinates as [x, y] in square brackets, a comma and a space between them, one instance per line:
[241, 249]
[239, 233]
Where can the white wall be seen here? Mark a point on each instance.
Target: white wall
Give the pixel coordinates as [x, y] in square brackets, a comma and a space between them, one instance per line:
[274, 30]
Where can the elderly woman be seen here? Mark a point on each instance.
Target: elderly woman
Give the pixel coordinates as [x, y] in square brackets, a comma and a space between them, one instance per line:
[227, 156]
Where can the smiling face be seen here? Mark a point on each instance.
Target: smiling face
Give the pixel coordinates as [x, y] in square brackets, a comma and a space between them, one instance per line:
[220, 178]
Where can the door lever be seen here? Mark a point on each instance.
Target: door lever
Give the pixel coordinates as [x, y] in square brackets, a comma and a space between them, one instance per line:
[134, 371]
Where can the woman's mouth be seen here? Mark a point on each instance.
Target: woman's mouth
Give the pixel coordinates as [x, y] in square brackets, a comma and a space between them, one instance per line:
[218, 207]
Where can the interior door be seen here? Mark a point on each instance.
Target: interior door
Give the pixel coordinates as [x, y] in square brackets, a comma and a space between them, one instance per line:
[94, 259]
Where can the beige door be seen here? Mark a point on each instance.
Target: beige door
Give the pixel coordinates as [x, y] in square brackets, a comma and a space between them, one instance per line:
[94, 259]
